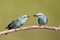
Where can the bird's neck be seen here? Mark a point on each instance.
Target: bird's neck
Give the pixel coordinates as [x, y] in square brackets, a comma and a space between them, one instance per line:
[23, 20]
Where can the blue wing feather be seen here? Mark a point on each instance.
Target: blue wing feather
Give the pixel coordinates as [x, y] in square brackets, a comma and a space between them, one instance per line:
[47, 20]
[12, 24]
[42, 20]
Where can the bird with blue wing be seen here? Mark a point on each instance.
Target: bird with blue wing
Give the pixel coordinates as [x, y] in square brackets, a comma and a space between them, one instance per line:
[17, 22]
[42, 19]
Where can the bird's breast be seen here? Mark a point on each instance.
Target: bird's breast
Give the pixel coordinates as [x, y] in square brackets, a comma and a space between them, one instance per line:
[42, 21]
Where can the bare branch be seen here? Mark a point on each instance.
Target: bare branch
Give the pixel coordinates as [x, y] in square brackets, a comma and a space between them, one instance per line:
[31, 27]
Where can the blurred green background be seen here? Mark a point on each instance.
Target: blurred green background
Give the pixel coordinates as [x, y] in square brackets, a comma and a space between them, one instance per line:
[11, 9]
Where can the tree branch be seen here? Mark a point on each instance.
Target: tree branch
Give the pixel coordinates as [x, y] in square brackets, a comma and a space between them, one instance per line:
[31, 27]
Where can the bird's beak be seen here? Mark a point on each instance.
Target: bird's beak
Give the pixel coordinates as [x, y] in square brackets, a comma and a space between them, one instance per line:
[35, 15]
[28, 16]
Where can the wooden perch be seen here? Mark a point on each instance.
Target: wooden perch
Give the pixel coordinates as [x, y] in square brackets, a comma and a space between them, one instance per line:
[31, 27]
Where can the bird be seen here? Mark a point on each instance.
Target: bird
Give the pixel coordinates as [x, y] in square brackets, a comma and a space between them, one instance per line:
[42, 19]
[18, 22]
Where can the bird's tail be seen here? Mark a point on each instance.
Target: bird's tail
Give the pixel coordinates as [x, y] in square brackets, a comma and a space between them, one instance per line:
[6, 28]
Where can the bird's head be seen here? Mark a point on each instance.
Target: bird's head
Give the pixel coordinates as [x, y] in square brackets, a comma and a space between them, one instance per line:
[38, 15]
[25, 16]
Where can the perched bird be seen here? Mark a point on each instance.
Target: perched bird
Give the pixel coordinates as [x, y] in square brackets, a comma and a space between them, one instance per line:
[17, 22]
[42, 19]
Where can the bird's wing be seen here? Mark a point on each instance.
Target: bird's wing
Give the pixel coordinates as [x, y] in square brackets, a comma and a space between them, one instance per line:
[46, 20]
[13, 21]
[39, 20]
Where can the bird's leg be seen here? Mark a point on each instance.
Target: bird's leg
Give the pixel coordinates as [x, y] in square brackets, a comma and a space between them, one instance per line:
[15, 29]
[44, 25]
[20, 28]
[39, 25]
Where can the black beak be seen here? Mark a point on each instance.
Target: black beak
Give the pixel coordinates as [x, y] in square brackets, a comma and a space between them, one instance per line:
[35, 15]
[28, 16]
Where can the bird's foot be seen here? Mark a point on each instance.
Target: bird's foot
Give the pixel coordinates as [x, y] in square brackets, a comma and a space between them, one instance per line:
[20, 28]
[15, 29]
